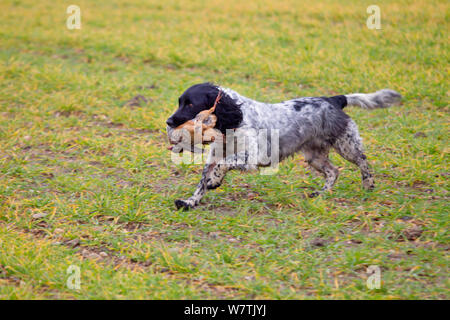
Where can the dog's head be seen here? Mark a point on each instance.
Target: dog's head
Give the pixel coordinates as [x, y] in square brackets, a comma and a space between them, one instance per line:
[201, 97]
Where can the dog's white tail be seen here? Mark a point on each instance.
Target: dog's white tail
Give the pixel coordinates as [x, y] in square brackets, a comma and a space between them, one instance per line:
[381, 99]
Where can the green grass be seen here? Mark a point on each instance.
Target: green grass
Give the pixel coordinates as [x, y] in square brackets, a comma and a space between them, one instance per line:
[98, 172]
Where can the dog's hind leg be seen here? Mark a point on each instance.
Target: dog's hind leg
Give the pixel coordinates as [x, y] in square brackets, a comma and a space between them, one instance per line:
[318, 159]
[349, 146]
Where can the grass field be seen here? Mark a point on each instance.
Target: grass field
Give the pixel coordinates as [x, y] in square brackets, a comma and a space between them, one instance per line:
[86, 180]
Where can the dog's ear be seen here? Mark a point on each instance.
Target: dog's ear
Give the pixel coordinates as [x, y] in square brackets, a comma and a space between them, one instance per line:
[228, 112]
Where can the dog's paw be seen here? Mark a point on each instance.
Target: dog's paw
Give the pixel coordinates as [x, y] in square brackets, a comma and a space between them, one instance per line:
[314, 194]
[213, 186]
[181, 204]
[368, 184]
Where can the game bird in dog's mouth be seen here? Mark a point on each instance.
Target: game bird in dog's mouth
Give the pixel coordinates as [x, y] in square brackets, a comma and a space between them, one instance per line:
[200, 130]
[208, 113]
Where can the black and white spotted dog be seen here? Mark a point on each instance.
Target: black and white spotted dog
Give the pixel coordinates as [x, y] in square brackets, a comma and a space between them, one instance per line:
[312, 125]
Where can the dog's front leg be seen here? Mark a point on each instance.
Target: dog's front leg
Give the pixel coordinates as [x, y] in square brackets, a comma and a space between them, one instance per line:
[216, 176]
[212, 176]
[199, 191]
[218, 172]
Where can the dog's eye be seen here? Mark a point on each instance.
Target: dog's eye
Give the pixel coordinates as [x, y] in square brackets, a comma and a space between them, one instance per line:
[190, 105]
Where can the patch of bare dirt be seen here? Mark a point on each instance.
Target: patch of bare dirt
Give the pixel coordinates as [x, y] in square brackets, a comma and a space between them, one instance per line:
[319, 242]
[68, 113]
[413, 233]
[148, 87]
[137, 101]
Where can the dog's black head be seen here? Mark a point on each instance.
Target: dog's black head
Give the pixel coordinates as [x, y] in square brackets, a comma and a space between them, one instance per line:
[201, 97]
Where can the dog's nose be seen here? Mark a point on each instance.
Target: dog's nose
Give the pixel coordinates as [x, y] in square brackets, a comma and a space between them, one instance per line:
[170, 123]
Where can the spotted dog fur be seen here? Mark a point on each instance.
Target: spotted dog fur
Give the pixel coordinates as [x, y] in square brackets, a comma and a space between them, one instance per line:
[312, 125]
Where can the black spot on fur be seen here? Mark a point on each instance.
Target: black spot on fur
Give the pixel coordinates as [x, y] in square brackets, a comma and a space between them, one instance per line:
[334, 124]
[337, 101]
[314, 102]
[298, 105]
[180, 204]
